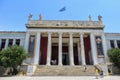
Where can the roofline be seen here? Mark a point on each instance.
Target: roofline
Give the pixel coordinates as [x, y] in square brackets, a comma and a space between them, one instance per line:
[12, 31]
[66, 20]
[111, 33]
[25, 32]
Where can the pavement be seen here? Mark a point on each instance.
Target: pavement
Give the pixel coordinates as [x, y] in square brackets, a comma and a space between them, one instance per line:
[60, 78]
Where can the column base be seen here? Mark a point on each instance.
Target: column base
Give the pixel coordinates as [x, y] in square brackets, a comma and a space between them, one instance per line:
[36, 63]
[83, 64]
[48, 64]
[72, 64]
[95, 64]
[60, 64]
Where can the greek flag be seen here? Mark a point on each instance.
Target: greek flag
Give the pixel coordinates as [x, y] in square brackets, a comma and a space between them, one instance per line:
[62, 9]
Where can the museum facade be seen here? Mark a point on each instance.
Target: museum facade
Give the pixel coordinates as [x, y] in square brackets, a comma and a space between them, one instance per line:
[63, 42]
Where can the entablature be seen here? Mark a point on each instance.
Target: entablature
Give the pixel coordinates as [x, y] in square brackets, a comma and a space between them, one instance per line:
[64, 24]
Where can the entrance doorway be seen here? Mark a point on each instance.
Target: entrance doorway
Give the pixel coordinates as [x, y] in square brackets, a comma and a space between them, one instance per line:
[54, 55]
[88, 55]
[65, 55]
[65, 59]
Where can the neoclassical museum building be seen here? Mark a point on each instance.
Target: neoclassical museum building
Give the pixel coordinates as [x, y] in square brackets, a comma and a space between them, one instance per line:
[63, 43]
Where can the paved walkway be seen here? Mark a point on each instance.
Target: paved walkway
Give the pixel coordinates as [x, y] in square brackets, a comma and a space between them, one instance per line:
[60, 78]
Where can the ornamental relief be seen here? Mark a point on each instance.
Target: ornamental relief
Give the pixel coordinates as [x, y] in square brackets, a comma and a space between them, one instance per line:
[65, 23]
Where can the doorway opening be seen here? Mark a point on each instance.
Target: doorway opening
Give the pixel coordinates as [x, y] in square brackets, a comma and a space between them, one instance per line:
[65, 55]
[88, 54]
[54, 56]
[75, 50]
[65, 59]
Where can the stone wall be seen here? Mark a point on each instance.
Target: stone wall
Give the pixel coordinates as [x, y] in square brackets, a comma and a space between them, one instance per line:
[2, 70]
[114, 69]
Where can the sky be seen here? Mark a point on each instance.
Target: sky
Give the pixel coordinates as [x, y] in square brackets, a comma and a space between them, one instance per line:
[14, 13]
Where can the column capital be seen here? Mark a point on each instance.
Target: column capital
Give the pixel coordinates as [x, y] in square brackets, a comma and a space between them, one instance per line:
[60, 33]
[81, 33]
[49, 33]
[38, 32]
[71, 33]
[91, 34]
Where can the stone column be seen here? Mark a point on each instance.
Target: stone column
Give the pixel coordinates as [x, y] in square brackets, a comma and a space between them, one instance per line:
[105, 69]
[60, 49]
[6, 43]
[14, 41]
[37, 49]
[93, 49]
[109, 45]
[21, 42]
[0, 43]
[115, 43]
[26, 41]
[104, 47]
[49, 49]
[82, 49]
[79, 54]
[71, 49]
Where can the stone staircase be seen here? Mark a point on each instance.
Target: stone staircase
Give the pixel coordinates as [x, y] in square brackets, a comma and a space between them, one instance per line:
[103, 67]
[64, 71]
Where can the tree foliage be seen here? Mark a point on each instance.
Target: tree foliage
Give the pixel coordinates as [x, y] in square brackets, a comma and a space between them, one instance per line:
[12, 57]
[114, 55]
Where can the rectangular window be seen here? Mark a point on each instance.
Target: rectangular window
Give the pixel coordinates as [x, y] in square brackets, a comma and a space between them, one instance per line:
[31, 45]
[118, 43]
[99, 46]
[3, 44]
[112, 43]
[10, 42]
[18, 42]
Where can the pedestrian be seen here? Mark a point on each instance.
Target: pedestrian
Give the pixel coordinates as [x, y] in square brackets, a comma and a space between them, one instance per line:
[54, 62]
[96, 73]
[101, 73]
[85, 68]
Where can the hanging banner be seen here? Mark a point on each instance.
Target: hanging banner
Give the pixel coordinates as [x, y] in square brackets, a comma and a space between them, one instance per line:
[31, 45]
[99, 46]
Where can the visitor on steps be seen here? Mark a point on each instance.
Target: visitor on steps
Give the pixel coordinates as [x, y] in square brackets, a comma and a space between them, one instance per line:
[101, 73]
[96, 73]
[53, 62]
[85, 68]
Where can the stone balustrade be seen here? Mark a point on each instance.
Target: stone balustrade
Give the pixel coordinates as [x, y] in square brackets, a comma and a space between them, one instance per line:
[65, 23]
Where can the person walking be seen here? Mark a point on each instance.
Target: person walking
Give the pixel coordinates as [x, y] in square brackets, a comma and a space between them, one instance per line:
[85, 68]
[96, 73]
[101, 73]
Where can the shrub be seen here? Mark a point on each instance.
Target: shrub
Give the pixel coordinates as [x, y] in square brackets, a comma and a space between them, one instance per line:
[12, 57]
[114, 55]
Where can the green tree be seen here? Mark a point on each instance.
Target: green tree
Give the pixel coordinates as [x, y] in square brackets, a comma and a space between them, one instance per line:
[12, 57]
[114, 55]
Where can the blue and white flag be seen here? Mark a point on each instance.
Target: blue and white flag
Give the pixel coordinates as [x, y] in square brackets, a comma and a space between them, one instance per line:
[62, 9]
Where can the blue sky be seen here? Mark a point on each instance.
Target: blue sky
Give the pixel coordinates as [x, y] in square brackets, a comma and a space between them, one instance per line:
[14, 13]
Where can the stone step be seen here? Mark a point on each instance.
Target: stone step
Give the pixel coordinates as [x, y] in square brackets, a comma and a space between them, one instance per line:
[64, 71]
